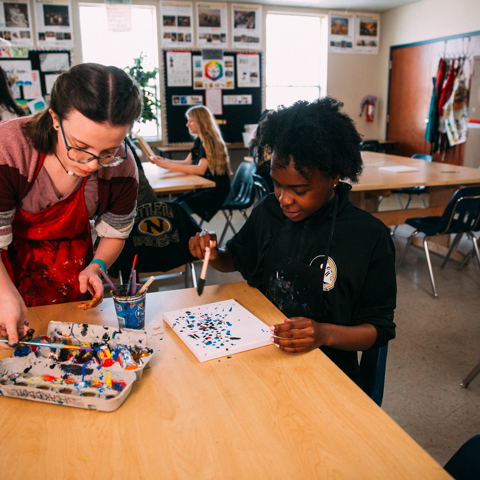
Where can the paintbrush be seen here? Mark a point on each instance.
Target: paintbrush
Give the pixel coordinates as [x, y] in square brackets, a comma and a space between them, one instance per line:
[146, 285]
[129, 284]
[203, 273]
[51, 345]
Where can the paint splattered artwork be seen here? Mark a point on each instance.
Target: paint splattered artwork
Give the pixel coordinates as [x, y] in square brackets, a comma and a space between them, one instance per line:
[99, 379]
[218, 329]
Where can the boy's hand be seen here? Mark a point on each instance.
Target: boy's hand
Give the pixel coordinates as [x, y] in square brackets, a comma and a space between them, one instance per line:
[200, 241]
[299, 334]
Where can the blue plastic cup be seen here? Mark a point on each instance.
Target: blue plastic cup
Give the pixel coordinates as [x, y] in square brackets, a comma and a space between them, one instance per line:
[130, 309]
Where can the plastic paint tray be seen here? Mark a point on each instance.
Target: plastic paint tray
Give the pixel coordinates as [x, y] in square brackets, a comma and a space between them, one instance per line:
[75, 385]
[84, 333]
[61, 393]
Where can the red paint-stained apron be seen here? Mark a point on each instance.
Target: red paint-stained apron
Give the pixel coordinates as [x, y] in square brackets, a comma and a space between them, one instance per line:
[49, 250]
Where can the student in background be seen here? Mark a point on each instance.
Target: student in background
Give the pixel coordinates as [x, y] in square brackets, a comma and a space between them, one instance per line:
[208, 158]
[326, 264]
[61, 168]
[8, 107]
[260, 157]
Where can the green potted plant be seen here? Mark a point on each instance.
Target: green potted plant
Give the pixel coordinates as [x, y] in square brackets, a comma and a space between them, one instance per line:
[147, 82]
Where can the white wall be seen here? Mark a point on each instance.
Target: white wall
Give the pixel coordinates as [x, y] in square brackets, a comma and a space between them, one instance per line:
[425, 20]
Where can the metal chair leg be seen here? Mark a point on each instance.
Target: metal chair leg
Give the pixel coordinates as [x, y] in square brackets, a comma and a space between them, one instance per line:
[398, 200]
[407, 246]
[475, 246]
[423, 201]
[454, 244]
[470, 376]
[408, 202]
[193, 274]
[430, 269]
[227, 224]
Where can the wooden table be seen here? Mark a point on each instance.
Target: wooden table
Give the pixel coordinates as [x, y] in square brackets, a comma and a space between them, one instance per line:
[261, 414]
[167, 150]
[442, 180]
[165, 182]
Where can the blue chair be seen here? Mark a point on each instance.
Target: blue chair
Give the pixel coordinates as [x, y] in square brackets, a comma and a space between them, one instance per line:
[461, 216]
[261, 186]
[372, 366]
[241, 196]
[465, 463]
[370, 146]
[413, 190]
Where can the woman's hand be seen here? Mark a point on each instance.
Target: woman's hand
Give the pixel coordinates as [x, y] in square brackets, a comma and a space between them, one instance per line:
[159, 161]
[200, 241]
[89, 280]
[13, 321]
[299, 334]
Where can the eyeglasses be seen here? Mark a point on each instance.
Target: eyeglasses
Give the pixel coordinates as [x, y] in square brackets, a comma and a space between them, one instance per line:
[82, 156]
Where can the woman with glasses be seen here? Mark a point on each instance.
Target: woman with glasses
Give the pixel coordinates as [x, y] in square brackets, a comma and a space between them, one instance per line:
[58, 170]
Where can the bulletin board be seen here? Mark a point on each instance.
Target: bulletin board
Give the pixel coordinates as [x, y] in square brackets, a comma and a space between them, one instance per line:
[234, 117]
[48, 63]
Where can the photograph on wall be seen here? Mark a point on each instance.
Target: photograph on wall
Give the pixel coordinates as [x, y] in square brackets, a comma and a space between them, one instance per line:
[247, 26]
[179, 69]
[367, 33]
[54, 23]
[212, 28]
[248, 70]
[176, 24]
[341, 32]
[16, 24]
[213, 73]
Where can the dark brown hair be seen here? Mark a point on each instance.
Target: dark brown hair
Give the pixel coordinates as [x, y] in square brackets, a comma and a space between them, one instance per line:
[6, 97]
[102, 94]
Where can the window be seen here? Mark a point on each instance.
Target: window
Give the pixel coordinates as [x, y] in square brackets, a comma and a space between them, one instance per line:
[296, 58]
[120, 48]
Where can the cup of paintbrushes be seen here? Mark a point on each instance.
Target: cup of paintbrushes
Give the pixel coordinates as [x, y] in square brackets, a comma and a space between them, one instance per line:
[130, 308]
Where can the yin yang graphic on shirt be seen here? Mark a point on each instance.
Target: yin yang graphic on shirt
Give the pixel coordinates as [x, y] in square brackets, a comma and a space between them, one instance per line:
[330, 276]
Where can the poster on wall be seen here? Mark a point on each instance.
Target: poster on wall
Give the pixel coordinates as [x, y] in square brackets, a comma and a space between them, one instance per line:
[212, 28]
[248, 70]
[247, 26]
[177, 24]
[341, 32]
[16, 24]
[119, 15]
[367, 33]
[53, 20]
[213, 73]
[179, 69]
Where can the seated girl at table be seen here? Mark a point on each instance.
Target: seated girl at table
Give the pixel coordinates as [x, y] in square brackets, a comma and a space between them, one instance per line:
[8, 107]
[208, 158]
[59, 169]
[345, 303]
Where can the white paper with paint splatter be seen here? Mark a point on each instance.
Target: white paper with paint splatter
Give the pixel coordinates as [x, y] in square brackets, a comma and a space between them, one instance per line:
[218, 329]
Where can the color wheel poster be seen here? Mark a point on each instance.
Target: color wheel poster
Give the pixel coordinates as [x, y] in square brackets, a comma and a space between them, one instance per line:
[16, 24]
[341, 32]
[247, 26]
[367, 31]
[177, 24]
[213, 73]
[212, 26]
[54, 23]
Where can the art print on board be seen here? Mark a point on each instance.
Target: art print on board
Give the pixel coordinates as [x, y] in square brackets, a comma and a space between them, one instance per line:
[218, 329]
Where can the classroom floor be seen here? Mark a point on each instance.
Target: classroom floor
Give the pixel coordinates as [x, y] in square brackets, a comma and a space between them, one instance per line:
[437, 344]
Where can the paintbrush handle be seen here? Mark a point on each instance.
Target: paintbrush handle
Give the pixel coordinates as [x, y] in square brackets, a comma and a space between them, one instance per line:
[203, 273]
[146, 285]
[52, 345]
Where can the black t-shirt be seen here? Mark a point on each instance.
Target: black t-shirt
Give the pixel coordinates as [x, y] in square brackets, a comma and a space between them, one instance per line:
[363, 252]
[206, 202]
